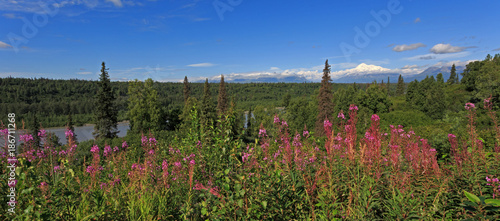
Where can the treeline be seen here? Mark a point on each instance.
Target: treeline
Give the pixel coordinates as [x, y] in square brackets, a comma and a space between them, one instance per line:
[53, 100]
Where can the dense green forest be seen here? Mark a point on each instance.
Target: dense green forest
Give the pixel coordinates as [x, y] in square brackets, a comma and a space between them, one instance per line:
[433, 107]
[53, 100]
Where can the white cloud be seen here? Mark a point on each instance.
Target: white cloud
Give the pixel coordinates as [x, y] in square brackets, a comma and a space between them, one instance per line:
[4, 45]
[274, 68]
[201, 65]
[11, 16]
[437, 56]
[450, 63]
[400, 48]
[117, 3]
[409, 66]
[446, 48]
[84, 73]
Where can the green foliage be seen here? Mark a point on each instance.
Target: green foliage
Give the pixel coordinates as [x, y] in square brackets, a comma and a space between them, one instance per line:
[400, 90]
[105, 113]
[222, 100]
[325, 97]
[375, 99]
[144, 109]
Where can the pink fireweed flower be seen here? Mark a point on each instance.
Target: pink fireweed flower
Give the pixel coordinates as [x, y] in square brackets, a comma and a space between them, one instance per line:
[245, 156]
[164, 165]
[451, 136]
[94, 149]
[305, 133]
[283, 123]
[192, 162]
[276, 119]
[198, 145]
[115, 149]
[57, 168]
[262, 132]
[353, 107]
[469, 106]
[13, 183]
[341, 115]
[107, 150]
[26, 137]
[152, 141]
[5, 131]
[327, 124]
[296, 140]
[42, 133]
[144, 139]
[151, 152]
[375, 117]
[124, 145]
[68, 133]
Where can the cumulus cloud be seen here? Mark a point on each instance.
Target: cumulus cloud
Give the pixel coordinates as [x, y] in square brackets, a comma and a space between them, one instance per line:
[400, 48]
[201, 65]
[4, 45]
[446, 48]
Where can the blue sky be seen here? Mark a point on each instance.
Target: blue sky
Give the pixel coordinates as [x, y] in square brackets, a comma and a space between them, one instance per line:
[167, 40]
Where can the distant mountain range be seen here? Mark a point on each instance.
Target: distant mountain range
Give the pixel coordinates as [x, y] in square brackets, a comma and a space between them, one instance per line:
[363, 73]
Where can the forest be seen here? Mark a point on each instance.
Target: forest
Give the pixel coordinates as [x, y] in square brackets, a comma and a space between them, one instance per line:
[425, 149]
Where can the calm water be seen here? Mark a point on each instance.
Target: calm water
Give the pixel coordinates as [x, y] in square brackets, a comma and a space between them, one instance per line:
[83, 133]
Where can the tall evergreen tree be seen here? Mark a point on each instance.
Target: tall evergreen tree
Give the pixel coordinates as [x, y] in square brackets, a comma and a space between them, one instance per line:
[400, 90]
[388, 86]
[70, 126]
[105, 111]
[440, 79]
[325, 104]
[187, 89]
[207, 117]
[222, 103]
[453, 76]
[35, 128]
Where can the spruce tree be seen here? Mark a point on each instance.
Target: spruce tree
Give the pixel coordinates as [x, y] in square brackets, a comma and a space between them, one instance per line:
[105, 111]
[453, 75]
[222, 104]
[325, 97]
[187, 89]
[207, 117]
[388, 87]
[35, 128]
[400, 90]
[70, 126]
